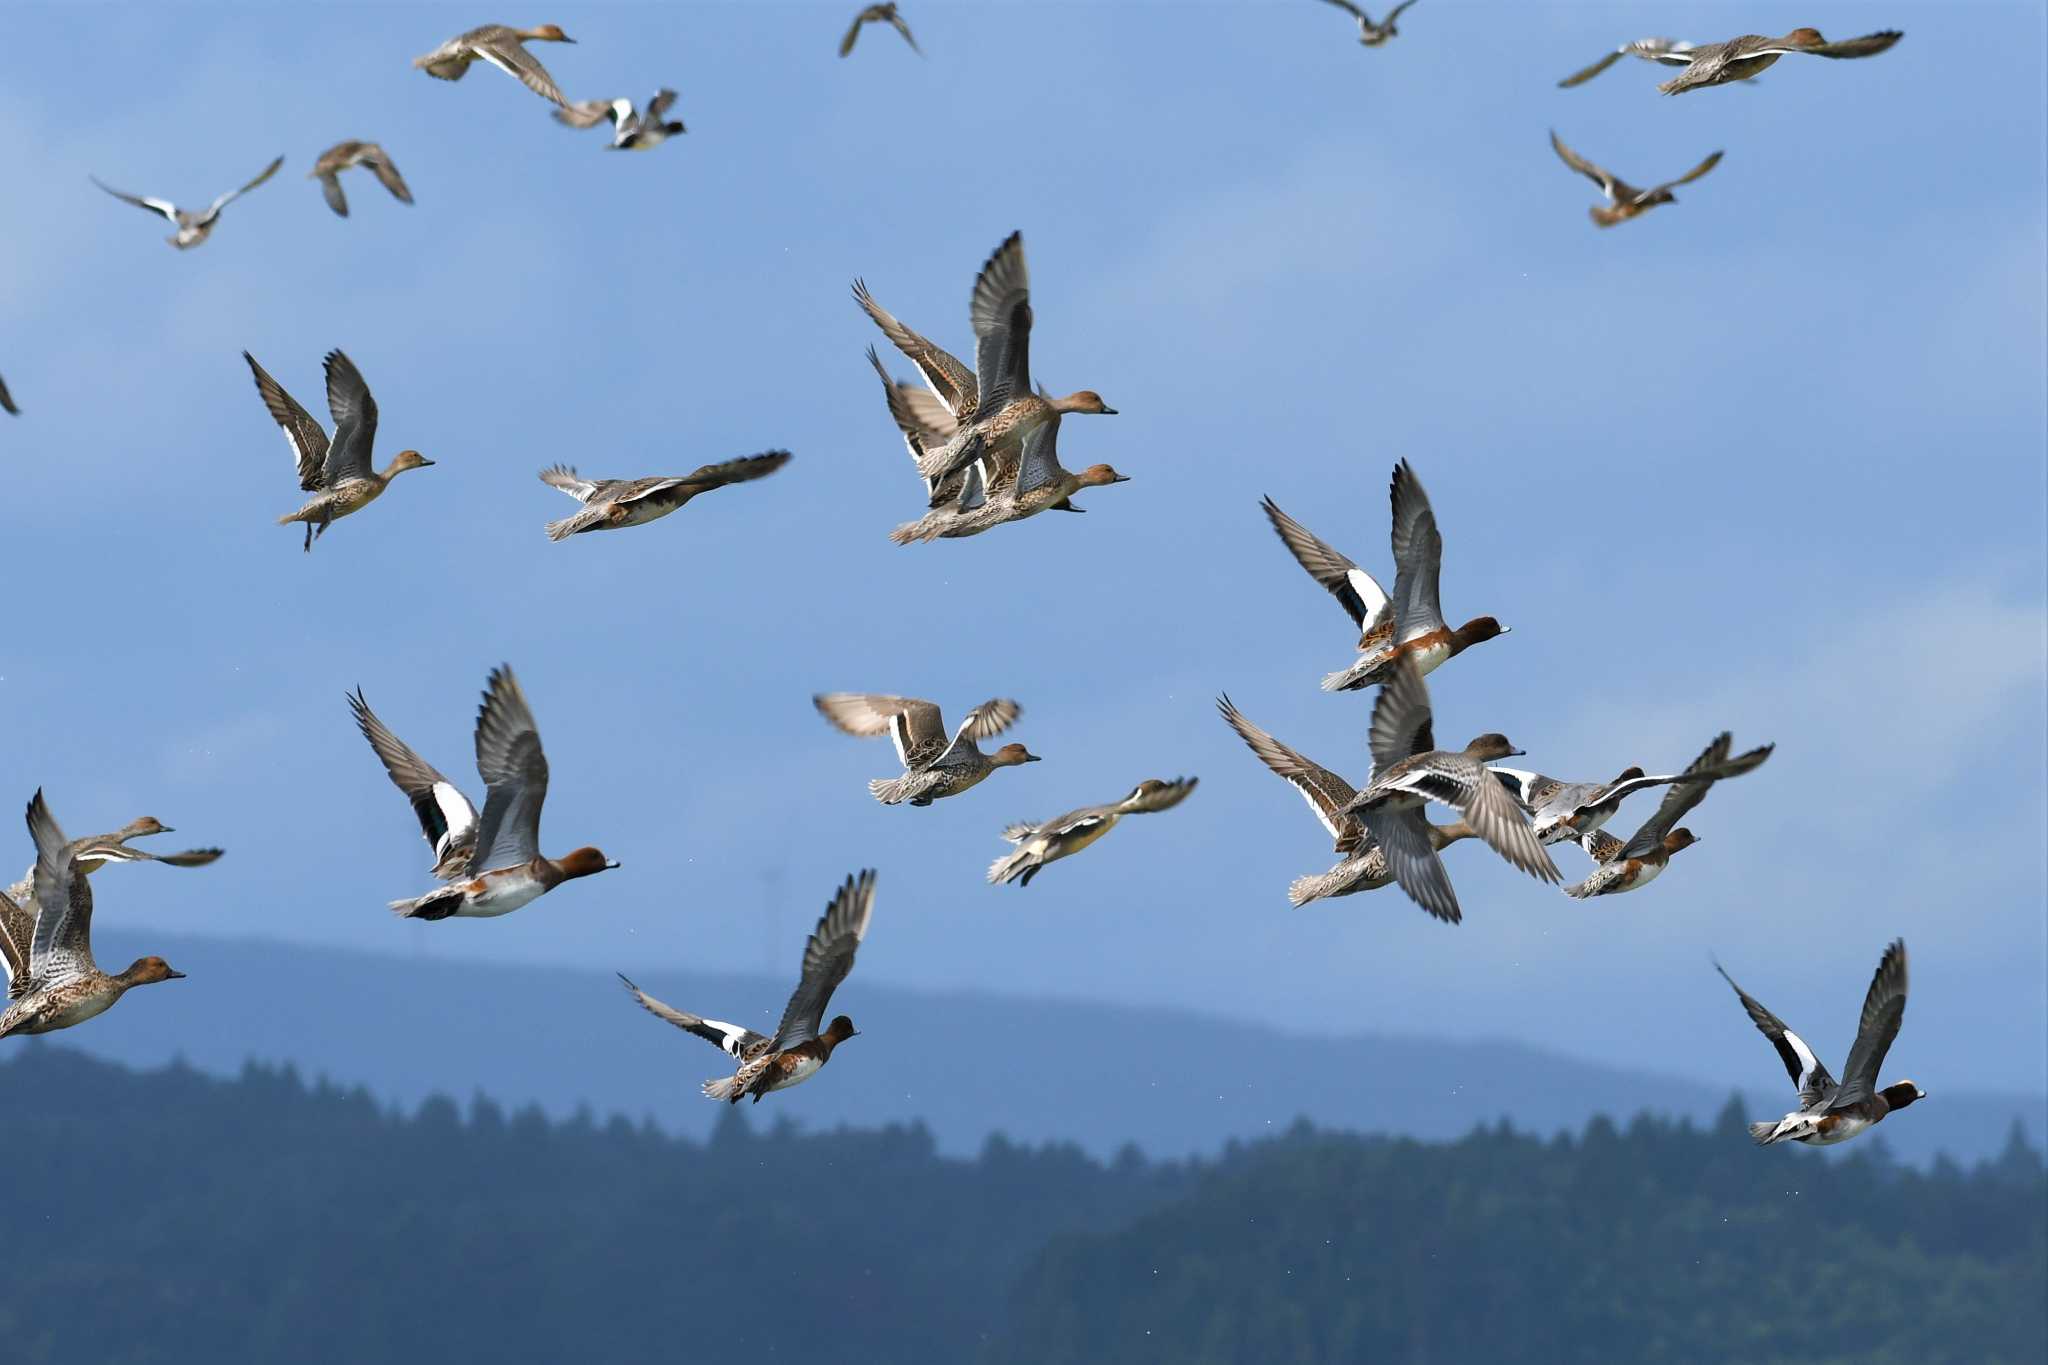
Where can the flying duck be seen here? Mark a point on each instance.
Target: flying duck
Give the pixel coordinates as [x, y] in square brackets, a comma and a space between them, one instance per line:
[800, 1047]
[504, 868]
[1831, 1112]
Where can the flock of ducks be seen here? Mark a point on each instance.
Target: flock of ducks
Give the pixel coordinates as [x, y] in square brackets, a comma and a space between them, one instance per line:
[984, 442]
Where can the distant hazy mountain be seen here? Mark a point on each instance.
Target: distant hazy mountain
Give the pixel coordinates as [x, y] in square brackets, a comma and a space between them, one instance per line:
[966, 1065]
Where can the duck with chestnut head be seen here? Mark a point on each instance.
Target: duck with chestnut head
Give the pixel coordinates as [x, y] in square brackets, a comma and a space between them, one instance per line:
[799, 1047]
[1829, 1111]
[504, 868]
[46, 945]
[1409, 622]
[1636, 863]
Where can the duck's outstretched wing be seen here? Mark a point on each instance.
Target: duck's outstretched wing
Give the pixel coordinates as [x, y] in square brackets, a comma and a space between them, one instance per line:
[1809, 1077]
[828, 957]
[1884, 1008]
[735, 1041]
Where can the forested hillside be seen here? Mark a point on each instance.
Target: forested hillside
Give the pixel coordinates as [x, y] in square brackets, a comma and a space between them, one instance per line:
[169, 1217]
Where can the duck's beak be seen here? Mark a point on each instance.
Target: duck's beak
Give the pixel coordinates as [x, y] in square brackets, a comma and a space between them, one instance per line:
[424, 463]
[1121, 478]
[1517, 753]
[611, 865]
[1031, 758]
[1108, 411]
[174, 976]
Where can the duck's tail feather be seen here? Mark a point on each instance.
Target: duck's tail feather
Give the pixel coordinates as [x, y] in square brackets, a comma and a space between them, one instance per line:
[434, 905]
[1008, 868]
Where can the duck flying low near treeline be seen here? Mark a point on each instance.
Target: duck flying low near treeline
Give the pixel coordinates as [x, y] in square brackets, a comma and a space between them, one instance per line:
[371, 157]
[877, 14]
[802, 1042]
[1364, 866]
[1625, 201]
[1048, 841]
[503, 47]
[192, 228]
[632, 131]
[1409, 771]
[1739, 59]
[1410, 623]
[46, 943]
[337, 473]
[1574, 810]
[936, 763]
[1635, 863]
[613, 504]
[493, 860]
[1831, 1112]
[1371, 33]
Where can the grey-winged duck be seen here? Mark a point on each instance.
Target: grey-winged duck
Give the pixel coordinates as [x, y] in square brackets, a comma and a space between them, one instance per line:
[1048, 841]
[1738, 59]
[936, 763]
[1831, 1111]
[337, 473]
[802, 1042]
[632, 131]
[1639, 861]
[52, 981]
[614, 504]
[1572, 810]
[1364, 866]
[1625, 201]
[1007, 408]
[1409, 771]
[341, 156]
[192, 228]
[931, 417]
[1409, 623]
[503, 47]
[877, 14]
[506, 868]
[1370, 33]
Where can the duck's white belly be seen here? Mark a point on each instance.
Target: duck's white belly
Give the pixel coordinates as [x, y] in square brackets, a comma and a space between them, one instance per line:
[1646, 873]
[1430, 656]
[91, 1007]
[1844, 1127]
[805, 1068]
[501, 895]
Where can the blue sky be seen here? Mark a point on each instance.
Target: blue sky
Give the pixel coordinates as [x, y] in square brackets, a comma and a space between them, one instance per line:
[1770, 460]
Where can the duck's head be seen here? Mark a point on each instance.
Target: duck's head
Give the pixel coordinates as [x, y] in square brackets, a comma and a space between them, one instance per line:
[1804, 37]
[583, 862]
[839, 1030]
[1491, 746]
[1099, 475]
[149, 970]
[148, 824]
[1012, 754]
[409, 459]
[1480, 628]
[1901, 1093]
[1678, 839]
[548, 33]
[1084, 400]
